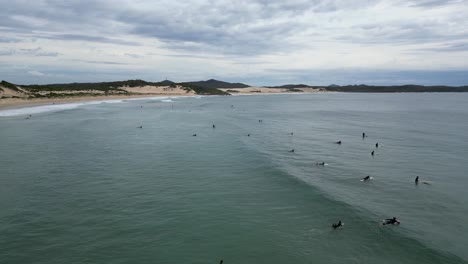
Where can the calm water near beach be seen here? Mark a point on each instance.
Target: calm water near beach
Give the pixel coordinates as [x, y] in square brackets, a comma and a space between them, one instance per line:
[80, 183]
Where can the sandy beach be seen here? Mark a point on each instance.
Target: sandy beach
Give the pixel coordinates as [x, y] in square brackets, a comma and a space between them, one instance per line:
[16, 102]
[74, 96]
[22, 99]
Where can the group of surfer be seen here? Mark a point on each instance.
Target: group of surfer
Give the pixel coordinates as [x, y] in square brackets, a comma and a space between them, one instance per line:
[388, 221]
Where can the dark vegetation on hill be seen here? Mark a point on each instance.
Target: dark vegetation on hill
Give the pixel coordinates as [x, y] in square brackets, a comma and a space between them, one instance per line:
[395, 89]
[102, 86]
[203, 90]
[107, 87]
[9, 86]
[218, 84]
[114, 86]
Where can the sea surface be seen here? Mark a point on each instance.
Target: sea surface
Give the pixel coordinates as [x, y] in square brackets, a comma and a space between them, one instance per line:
[80, 183]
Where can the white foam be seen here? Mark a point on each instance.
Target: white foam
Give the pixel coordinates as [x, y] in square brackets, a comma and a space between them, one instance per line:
[51, 108]
[144, 98]
[60, 107]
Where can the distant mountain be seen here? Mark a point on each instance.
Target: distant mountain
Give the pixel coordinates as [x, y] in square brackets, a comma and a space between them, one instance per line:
[362, 88]
[203, 90]
[212, 83]
[333, 85]
[167, 83]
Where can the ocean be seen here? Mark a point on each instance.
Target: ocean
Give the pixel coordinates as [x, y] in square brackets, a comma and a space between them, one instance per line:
[81, 183]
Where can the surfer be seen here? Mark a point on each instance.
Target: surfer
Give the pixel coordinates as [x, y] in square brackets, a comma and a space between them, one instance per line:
[221, 262]
[320, 164]
[366, 178]
[140, 127]
[335, 226]
[416, 181]
[194, 135]
[391, 221]
[292, 133]
[377, 144]
[338, 142]
[363, 135]
[372, 153]
[292, 150]
[214, 126]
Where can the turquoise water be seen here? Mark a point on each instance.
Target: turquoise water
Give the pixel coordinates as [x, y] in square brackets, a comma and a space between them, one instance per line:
[80, 183]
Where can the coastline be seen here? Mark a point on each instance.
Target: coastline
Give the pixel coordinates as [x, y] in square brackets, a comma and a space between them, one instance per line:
[13, 103]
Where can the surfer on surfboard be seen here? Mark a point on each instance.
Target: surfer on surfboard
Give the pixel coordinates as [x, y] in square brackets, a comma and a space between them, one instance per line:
[339, 224]
[391, 221]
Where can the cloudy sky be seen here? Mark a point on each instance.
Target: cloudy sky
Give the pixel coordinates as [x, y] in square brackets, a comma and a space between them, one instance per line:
[259, 42]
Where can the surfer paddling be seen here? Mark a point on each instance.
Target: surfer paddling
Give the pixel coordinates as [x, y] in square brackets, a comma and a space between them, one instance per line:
[338, 225]
[391, 221]
[416, 181]
[366, 178]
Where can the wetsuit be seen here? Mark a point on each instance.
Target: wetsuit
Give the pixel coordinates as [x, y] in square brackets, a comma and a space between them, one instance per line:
[335, 226]
[391, 221]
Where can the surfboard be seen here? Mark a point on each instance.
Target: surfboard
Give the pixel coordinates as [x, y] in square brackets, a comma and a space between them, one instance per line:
[384, 222]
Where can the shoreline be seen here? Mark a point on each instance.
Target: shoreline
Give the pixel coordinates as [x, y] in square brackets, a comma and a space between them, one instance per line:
[16, 103]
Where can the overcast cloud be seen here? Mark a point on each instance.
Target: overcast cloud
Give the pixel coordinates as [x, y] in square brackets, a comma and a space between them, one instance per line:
[259, 42]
